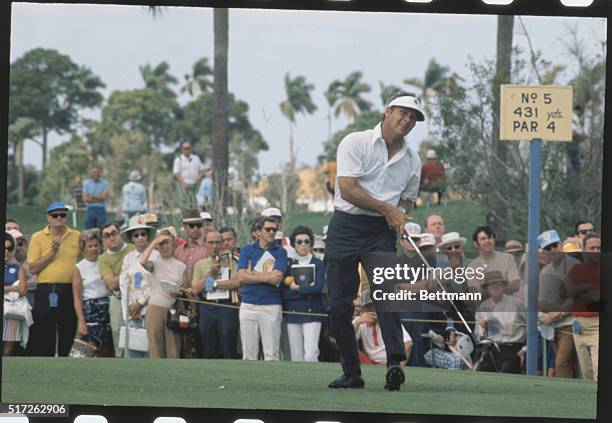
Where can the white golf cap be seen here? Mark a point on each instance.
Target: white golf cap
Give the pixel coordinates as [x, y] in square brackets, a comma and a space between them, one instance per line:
[413, 230]
[272, 212]
[409, 102]
[431, 154]
[206, 216]
[427, 239]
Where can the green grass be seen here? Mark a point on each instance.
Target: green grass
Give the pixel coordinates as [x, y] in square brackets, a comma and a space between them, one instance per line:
[288, 386]
[33, 218]
[461, 216]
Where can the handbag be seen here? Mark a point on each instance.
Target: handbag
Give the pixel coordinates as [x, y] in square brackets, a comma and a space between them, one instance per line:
[181, 318]
[15, 307]
[137, 339]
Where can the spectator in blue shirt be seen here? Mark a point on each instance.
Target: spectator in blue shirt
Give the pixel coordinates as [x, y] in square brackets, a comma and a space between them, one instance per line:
[261, 267]
[95, 194]
[204, 196]
[134, 196]
[303, 330]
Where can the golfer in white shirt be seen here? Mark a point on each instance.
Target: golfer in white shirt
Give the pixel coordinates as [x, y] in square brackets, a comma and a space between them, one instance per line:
[376, 187]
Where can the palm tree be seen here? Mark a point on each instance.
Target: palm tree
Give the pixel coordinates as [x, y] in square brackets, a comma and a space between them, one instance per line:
[298, 101]
[18, 132]
[350, 93]
[199, 80]
[220, 139]
[435, 79]
[386, 91]
[220, 146]
[331, 95]
[158, 78]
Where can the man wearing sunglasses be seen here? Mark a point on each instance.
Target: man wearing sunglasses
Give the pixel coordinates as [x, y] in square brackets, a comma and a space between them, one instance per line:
[52, 255]
[261, 267]
[583, 229]
[377, 186]
[194, 248]
[189, 253]
[555, 307]
[110, 263]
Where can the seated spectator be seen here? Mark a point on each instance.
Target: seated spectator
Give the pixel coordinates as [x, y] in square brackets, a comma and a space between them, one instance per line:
[433, 178]
[91, 302]
[14, 330]
[446, 351]
[304, 331]
[367, 330]
[500, 318]
[168, 277]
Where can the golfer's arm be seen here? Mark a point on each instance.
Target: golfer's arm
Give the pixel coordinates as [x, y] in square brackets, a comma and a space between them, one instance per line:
[353, 192]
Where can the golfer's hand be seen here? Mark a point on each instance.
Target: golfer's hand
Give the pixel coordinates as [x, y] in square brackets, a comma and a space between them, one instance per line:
[294, 286]
[396, 219]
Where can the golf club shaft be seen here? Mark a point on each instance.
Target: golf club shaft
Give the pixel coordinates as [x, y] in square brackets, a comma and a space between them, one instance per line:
[439, 283]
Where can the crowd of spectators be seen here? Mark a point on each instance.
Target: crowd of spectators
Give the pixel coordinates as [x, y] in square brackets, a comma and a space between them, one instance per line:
[266, 298]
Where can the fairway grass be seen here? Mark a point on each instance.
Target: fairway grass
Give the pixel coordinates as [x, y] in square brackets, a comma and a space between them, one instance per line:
[288, 386]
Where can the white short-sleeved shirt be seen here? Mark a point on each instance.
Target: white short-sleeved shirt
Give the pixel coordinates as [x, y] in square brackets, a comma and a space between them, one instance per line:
[189, 167]
[364, 155]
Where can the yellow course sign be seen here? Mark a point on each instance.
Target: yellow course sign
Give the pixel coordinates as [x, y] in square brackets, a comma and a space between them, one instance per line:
[536, 112]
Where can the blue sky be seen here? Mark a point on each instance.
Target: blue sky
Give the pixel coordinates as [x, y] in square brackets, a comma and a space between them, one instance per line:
[114, 41]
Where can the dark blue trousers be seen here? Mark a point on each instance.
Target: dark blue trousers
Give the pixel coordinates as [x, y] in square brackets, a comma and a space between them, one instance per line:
[349, 239]
[95, 217]
[218, 327]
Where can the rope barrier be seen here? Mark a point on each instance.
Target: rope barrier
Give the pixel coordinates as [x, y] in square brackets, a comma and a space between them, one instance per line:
[325, 315]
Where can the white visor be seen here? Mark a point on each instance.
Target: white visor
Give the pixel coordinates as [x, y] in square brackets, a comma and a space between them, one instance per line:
[409, 102]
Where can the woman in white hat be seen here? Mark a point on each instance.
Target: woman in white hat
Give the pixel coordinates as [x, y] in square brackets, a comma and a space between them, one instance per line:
[15, 287]
[134, 284]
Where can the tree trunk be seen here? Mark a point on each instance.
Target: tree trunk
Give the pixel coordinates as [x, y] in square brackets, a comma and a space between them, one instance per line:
[505, 29]
[220, 145]
[19, 163]
[291, 164]
[44, 149]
